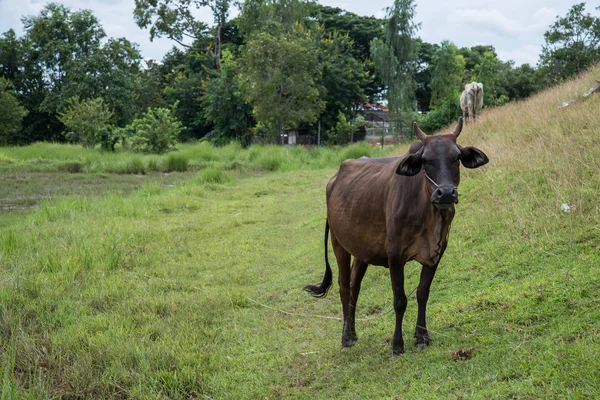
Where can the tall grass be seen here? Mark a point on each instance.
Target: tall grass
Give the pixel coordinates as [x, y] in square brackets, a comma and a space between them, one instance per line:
[74, 159]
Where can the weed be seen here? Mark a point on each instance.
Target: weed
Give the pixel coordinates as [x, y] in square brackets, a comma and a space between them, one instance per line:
[175, 162]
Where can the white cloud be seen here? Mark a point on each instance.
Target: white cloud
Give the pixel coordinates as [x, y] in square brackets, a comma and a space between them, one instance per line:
[527, 54]
[493, 21]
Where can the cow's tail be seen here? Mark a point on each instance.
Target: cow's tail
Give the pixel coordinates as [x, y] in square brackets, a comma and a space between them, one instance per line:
[321, 290]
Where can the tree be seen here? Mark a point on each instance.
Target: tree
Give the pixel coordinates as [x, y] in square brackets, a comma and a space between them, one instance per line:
[361, 30]
[224, 106]
[572, 43]
[88, 123]
[110, 73]
[492, 73]
[61, 39]
[280, 80]
[175, 20]
[65, 54]
[342, 76]
[423, 74]
[446, 71]
[11, 114]
[185, 73]
[446, 75]
[395, 57]
[273, 16]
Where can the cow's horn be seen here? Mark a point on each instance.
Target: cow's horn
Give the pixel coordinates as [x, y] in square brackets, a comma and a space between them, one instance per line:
[458, 127]
[418, 132]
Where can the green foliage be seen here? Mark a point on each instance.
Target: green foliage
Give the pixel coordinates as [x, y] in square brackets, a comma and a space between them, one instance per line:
[342, 76]
[490, 73]
[133, 166]
[88, 123]
[572, 43]
[176, 163]
[440, 117]
[446, 75]
[224, 106]
[280, 80]
[214, 174]
[156, 131]
[395, 57]
[11, 114]
[273, 16]
[357, 150]
[185, 74]
[342, 133]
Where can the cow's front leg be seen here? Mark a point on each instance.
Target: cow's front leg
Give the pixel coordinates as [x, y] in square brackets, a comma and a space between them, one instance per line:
[421, 335]
[396, 265]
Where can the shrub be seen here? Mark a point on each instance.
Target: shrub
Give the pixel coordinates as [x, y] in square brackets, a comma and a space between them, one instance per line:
[155, 132]
[439, 118]
[87, 122]
[342, 133]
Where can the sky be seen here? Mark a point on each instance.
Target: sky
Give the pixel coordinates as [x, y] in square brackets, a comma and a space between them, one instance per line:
[514, 27]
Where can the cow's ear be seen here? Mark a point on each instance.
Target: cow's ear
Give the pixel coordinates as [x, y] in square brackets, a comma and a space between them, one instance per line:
[409, 165]
[472, 157]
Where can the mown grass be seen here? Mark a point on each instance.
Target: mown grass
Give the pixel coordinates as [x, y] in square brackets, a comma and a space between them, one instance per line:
[193, 290]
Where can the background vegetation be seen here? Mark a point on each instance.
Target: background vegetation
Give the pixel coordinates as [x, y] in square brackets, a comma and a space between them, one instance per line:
[278, 65]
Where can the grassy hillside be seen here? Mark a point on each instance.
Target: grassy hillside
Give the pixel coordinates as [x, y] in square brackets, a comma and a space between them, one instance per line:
[191, 288]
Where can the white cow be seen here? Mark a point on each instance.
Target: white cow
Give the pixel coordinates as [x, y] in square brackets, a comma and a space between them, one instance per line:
[471, 101]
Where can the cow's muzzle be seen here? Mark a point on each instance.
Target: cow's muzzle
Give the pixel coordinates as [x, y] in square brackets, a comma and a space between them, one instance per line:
[444, 196]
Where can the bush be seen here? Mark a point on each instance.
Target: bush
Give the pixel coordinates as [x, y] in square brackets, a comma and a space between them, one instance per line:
[342, 133]
[87, 122]
[437, 119]
[155, 132]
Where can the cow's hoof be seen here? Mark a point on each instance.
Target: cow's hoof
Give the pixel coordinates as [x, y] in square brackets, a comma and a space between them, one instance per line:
[423, 341]
[349, 342]
[397, 352]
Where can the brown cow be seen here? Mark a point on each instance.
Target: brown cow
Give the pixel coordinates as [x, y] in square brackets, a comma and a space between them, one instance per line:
[388, 211]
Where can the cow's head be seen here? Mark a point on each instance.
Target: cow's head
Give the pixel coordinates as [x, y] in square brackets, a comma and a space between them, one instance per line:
[438, 157]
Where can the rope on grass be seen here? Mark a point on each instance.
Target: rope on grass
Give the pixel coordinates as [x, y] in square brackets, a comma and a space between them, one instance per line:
[323, 316]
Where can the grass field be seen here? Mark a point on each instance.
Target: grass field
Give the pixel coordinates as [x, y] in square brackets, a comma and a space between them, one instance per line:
[188, 285]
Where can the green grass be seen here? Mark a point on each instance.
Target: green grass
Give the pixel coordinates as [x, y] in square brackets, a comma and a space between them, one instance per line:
[188, 285]
[49, 157]
[156, 295]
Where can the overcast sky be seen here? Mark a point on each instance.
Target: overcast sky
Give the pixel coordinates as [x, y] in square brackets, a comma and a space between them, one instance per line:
[514, 27]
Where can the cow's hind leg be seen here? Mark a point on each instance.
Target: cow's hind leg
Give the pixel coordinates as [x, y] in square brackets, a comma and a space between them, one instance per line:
[421, 335]
[344, 274]
[359, 269]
